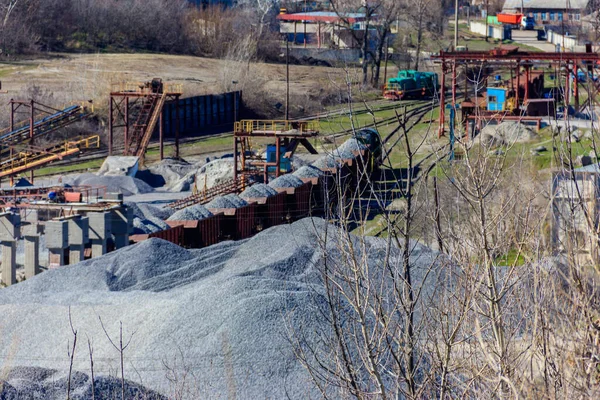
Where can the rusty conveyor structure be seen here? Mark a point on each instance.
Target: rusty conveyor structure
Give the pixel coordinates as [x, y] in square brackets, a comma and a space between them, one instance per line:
[149, 99]
[42, 120]
[32, 158]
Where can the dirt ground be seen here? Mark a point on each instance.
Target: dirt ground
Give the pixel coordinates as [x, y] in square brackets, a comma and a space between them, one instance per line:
[66, 78]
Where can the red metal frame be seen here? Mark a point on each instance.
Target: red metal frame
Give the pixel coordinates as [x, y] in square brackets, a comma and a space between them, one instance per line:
[510, 56]
[120, 104]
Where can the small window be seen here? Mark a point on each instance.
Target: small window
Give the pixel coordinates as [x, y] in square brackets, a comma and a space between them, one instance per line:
[543, 16]
[577, 17]
[492, 99]
[560, 16]
[571, 18]
[551, 16]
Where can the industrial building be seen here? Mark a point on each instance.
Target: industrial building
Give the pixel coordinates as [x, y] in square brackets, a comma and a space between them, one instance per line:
[323, 28]
[549, 12]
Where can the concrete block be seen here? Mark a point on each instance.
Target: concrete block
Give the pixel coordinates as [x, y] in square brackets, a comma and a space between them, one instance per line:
[98, 247]
[10, 226]
[78, 230]
[56, 258]
[33, 229]
[121, 222]
[76, 254]
[57, 234]
[32, 256]
[113, 196]
[31, 215]
[99, 225]
[9, 263]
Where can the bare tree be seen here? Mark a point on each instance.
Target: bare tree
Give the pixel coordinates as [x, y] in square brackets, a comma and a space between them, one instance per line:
[120, 347]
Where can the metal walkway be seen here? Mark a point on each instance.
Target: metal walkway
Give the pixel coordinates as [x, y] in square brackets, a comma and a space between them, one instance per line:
[144, 126]
[206, 195]
[33, 158]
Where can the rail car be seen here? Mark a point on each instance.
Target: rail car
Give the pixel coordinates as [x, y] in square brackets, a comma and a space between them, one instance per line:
[411, 84]
[315, 197]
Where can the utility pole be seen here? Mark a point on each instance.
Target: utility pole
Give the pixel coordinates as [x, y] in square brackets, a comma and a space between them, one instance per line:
[387, 50]
[287, 79]
[456, 24]
[486, 19]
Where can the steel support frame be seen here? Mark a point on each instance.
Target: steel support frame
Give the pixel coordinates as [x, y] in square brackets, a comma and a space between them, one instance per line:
[120, 105]
[509, 58]
[32, 110]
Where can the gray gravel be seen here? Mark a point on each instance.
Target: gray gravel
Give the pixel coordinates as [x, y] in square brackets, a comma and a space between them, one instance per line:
[220, 314]
[327, 161]
[30, 383]
[228, 201]
[196, 212]
[286, 181]
[347, 149]
[116, 184]
[258, 190]
[150, 225]
[144, 211]
[308, 171]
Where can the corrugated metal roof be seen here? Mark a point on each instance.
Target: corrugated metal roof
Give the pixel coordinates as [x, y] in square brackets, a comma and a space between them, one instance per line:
[545, 4]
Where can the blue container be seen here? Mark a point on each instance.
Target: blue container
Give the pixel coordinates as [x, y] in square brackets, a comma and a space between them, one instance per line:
[285, 164]
[496, 99]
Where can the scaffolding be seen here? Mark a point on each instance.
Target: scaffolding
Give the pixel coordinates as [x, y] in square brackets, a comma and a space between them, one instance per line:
[288, 134]
[511, 58]
[149, 99]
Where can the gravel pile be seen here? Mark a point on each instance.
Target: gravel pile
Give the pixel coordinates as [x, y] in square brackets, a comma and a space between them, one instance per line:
[224, 311]
[114, 184]
[119, 166]
[347, 149]
[258, 190]
[308, 171]
[196, 212]
[142, 210]
[46, 384]
[171, 174]
[506, 133]
[286, 181]
[327, 161]
[228, 201]
[214, 173]
[148, 225]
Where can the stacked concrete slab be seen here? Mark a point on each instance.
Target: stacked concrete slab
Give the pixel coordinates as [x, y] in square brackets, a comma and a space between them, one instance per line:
[10, 225]
[99, 232]
[78, 238]
[57, 240]
[31, 236]
[121, 225]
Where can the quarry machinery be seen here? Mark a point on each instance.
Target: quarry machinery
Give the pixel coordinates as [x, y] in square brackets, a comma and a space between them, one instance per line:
[147, 99]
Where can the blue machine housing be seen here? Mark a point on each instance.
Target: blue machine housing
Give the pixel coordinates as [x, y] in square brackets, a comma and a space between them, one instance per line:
[496, 99]
[286, 165]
